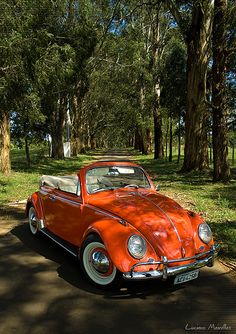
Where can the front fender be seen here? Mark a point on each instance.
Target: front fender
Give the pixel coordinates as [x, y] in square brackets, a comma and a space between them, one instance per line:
[115, 235]
[196, 220]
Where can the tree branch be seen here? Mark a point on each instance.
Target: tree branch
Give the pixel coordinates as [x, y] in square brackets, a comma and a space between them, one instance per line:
[143, 4]
[175, 12]
[108, 25]
[177, 15]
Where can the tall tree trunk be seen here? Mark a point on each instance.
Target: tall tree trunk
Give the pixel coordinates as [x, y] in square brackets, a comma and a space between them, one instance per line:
[233, 148]
[149, 140]
[5, 143]
[57, 131]
[92, 141]
[76, 131]
[158, 138]
[171, 140]
[219, 108]
[179, 138]
[136, 138]
[157, 117]
[166, 137]
[143, 130]
[27, 153]
[198, 42]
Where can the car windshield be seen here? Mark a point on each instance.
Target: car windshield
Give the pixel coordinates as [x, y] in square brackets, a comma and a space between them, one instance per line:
[113, 177]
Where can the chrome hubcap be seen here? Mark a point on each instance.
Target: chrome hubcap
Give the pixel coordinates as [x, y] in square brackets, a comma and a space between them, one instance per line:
[100, 262]
[33, 221]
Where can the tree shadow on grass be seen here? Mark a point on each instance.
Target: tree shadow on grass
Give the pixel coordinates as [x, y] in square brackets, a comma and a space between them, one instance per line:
[50, 166]
[225, 233]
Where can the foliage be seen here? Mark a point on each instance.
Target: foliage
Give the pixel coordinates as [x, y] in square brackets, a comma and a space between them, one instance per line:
[104, 62]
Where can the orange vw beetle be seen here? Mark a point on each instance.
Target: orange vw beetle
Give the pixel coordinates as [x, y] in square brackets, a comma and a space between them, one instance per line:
[111, 216]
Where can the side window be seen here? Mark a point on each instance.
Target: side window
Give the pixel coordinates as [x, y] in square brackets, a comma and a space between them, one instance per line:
[68, 186]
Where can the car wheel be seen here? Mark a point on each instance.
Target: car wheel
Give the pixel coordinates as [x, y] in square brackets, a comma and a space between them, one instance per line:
[33, 223]
[97, 265]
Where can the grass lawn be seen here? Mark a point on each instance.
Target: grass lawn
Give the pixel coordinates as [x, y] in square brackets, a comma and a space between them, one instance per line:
[195, 191]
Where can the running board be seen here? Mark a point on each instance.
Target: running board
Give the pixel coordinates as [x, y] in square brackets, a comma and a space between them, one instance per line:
[73, 250]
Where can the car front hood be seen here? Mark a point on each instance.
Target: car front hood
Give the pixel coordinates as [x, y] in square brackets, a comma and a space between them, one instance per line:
[164, 223]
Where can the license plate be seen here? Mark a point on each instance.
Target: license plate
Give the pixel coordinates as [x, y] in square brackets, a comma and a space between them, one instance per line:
[186, 277]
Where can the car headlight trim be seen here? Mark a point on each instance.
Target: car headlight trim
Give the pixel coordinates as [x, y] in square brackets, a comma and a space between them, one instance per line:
[205, 233]
[137, 246]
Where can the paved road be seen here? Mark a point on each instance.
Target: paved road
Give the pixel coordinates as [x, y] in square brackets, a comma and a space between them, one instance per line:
[42, 290]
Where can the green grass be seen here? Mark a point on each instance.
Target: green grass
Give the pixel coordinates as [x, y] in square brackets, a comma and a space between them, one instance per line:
[194, 191]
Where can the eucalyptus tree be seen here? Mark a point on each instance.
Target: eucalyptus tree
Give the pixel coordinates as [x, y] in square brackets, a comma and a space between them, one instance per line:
[65, 42]
[9, 51]
[223, 83]
[152, 27]
[195, 19]
[219, 105]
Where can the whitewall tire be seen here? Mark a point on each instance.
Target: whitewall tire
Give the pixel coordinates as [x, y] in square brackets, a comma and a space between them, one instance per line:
[97, 265]
[33, 223]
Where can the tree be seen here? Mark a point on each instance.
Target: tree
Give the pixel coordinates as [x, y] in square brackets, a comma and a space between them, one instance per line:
[10, 68]
[195, 21]
[219, 103]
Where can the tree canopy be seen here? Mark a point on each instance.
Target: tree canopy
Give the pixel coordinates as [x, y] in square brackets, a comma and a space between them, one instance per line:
[120, 73]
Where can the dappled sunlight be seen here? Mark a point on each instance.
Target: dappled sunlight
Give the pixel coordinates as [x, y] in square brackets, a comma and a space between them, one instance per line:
[43, 287]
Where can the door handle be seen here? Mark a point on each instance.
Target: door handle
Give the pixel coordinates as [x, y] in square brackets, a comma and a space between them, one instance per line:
[52, 198]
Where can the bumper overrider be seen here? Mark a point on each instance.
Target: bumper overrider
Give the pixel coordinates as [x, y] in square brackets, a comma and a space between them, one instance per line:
[202, 259]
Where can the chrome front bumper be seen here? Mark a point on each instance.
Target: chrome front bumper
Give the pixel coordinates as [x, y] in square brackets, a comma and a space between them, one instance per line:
[166, 271]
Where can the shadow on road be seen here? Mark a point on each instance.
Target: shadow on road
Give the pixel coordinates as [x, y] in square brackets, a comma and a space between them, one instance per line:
[69, 269]
[43, 290]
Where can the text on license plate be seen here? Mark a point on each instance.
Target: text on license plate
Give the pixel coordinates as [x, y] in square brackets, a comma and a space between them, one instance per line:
[186, 277]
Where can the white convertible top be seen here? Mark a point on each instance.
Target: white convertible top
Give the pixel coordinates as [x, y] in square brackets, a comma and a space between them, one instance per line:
[66, 183]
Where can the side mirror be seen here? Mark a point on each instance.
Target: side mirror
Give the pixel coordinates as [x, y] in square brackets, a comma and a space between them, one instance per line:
[158, 187]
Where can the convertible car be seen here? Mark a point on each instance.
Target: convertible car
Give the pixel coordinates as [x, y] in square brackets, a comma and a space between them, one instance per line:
[115, 221]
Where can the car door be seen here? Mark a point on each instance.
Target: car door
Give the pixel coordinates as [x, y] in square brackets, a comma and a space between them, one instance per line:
[62, 211]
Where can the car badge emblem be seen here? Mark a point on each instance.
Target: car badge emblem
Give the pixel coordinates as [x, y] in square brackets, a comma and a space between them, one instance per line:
[183, 252]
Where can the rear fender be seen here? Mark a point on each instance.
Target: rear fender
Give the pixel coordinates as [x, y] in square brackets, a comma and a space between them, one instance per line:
[34, 200]
[115, 235]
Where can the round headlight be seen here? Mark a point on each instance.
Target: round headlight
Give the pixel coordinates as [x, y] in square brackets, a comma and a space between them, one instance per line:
[204, 232]
[137, 246]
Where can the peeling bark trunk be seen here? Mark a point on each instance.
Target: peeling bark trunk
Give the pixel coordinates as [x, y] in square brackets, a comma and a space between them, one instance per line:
[198, 42]
[219, 105]
[5, 143]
